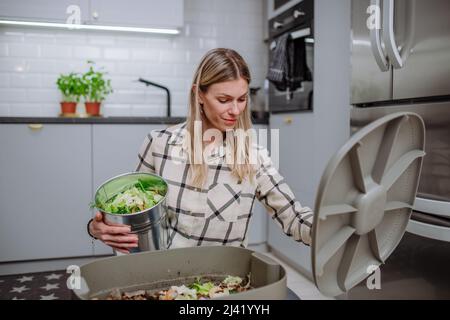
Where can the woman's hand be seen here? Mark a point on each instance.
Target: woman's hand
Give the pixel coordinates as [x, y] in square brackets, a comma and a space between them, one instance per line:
[116, 236]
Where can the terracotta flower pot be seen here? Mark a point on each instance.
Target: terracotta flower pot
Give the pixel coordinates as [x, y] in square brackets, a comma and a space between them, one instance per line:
[68, 107]
[93, 108]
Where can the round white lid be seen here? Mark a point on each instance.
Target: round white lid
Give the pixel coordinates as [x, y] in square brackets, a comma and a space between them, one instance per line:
[364, 201]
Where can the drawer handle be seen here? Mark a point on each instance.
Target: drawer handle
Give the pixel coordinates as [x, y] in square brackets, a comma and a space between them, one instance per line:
[288, 120]
[35, 126]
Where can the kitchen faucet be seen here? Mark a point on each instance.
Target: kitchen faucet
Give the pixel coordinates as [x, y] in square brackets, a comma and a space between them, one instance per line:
[150, 83]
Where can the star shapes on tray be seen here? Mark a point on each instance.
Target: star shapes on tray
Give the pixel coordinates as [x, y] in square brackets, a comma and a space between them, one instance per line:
[25, 279]
[19, 289]
[49, 297]
[49, 286]
[53, 276]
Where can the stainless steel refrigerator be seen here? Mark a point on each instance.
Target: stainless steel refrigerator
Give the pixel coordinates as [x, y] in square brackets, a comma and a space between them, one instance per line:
[401, 62]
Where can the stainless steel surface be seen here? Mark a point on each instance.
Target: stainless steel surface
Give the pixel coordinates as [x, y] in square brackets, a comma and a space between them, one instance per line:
[416, 39]
[389, 36]
[418, 269]
[368, 82]
[426, 40]
[375, 40]
[150, 225]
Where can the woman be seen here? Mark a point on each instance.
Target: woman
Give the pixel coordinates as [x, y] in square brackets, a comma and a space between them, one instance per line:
[213, 183]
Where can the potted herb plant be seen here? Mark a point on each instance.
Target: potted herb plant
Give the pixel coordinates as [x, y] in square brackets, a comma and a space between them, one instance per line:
[95, 89]
[71, 88]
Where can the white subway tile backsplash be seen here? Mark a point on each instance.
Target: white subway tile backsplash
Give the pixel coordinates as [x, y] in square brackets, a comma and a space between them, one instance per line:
[148, 110]
[154, 71]
[23, 50]
[4, 109]
[201, 30]
[180, 98]
[179, 110]
[195, 56]
[25, 110]
[86, 52]
[116, 53]
[71, 37]
[170, 56]
[116, 110]
[25, 80]
[4, 80]
[12, 65]
[55, 51]
[10, 36]
[43, 95]
[126, 41]
[49, 80]
[124, 82]
[207, 44]
[184, 70]
[186, 43]
[129, 68]
[12, 95]
[3, 50]
[144, 54]
[53, 110]
[98, 40]
[127, 96]
[160, 43]
[32, 59]
[39, 37]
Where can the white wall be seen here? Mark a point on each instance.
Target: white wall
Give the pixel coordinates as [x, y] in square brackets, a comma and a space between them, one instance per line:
[32, 59]
[315, 136]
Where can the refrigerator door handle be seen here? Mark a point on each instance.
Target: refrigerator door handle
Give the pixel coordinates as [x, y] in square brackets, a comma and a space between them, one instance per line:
[388, 34]
[375, 40]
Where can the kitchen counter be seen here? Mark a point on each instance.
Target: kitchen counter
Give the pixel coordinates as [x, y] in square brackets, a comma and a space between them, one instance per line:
[109, 120]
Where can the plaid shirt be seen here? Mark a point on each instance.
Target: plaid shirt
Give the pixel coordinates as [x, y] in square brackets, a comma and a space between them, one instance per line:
[220, 213]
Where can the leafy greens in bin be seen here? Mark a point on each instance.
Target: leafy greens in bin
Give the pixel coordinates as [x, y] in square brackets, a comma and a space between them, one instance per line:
[139, 196]
[201, 289]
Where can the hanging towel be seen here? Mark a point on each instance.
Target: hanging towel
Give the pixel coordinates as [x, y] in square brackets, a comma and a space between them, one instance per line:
[298, 70]
[288, 67]
[278, 66]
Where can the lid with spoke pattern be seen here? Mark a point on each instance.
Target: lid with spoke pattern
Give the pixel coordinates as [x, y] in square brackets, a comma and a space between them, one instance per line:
[364, 201]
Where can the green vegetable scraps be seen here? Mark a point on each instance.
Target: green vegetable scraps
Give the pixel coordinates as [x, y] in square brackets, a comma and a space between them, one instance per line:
[140, 196]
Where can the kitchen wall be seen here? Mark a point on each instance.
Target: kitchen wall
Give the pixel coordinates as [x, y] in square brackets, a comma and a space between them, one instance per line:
[31, 60]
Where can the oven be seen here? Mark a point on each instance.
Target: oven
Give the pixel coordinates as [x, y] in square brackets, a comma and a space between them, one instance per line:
[297, 22]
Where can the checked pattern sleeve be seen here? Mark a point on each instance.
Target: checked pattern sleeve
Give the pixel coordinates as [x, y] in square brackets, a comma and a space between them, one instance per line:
[145, 158]
[273, 192]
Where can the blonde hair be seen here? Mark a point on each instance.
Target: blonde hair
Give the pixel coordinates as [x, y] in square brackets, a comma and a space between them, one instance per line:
[219, 65]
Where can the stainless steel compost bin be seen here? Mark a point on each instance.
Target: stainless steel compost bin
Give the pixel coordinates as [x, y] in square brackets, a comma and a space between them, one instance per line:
[149, 224]
[363, 204]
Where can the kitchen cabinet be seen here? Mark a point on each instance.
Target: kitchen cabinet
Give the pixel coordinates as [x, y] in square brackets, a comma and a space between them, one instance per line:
[42, 10]
[257, 233]
[45, 183]
[297, 168]
[144, 13]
